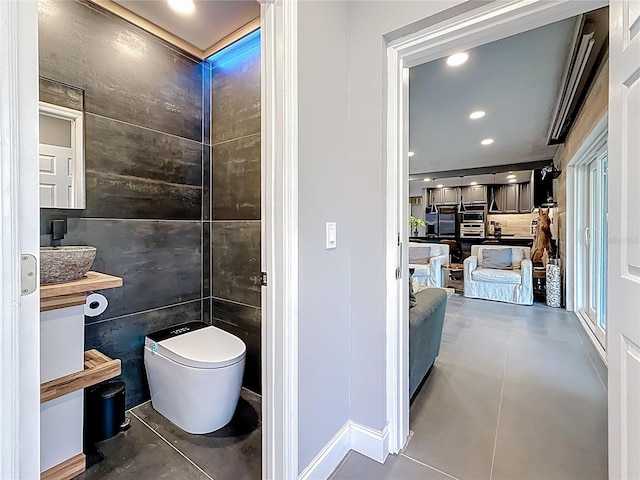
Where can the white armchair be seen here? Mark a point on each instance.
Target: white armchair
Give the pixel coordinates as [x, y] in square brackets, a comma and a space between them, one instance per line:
[512, 286]
[427, 260]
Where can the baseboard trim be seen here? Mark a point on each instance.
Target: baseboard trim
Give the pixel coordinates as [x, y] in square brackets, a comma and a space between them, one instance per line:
[369, 442]
[351, 436]
[328, 459]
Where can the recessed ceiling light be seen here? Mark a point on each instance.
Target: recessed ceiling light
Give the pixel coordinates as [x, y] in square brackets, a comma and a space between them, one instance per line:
[511, 176]
[457, 59]
[427, 179]
[487, 141]
[183, 7]
[512, 180]
[477, 114]
[474, 183]
[439, 185]
[411, 154]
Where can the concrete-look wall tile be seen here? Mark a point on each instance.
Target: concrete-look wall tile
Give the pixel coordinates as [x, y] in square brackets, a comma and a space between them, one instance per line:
[116, 196]
[253, 361]
[235, 97]
[206, 103]
[207, 316]
[63, 95]
[235, 261]
[206, 182]
[244, 317]
[133, 172]
[160, 262]
[206, 259]
[127, 73]
[236, 179]
[123, 149]
[123, 338]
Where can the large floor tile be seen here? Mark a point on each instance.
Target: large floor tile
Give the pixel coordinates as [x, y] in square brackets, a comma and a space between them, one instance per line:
[231, 453]
[454, 422]
[138, 454]
[359, 467]
[551, 433]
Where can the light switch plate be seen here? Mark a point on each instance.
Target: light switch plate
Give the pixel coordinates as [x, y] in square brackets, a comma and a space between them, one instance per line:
[331, 235]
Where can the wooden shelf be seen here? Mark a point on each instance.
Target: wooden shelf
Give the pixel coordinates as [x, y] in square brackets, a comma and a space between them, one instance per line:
[97, 368]
[69, 294]
[66, 470]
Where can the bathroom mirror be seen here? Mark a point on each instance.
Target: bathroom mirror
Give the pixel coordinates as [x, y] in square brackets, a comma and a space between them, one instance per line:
[61, 157]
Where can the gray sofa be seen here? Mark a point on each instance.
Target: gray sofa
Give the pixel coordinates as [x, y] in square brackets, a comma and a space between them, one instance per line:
[426, 320]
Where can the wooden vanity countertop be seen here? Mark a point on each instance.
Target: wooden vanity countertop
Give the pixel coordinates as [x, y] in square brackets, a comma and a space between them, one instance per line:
[68, 294]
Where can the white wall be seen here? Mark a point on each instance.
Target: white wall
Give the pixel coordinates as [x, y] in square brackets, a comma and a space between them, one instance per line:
[324, 193]
[342, 59]
[368, 22]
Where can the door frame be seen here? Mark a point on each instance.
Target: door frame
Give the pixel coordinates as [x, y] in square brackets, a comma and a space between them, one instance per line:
[575, 267]
[19, 234]
[279, 213]
[487, 23]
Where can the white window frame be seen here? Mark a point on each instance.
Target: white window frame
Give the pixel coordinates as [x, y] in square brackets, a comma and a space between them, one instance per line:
[576, 184]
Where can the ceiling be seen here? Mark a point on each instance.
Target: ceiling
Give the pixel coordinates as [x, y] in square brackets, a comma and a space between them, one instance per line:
[516, 80]
[211, 22]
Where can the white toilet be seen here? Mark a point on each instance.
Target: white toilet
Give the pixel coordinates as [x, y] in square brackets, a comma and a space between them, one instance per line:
[195, 375]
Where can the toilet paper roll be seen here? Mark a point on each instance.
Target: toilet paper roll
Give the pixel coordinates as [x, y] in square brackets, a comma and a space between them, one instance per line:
[95, 305]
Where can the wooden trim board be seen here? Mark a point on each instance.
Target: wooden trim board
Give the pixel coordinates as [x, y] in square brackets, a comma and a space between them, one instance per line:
[167, 36]
[243, 31]
[63, 301]
[66, 470]
[90, 282]
[97, 368]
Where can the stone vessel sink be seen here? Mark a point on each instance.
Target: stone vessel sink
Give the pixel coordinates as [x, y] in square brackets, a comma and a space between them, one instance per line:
[64, 264]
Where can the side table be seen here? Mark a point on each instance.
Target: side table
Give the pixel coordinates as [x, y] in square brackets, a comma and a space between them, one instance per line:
[454, 276]
[540, 283]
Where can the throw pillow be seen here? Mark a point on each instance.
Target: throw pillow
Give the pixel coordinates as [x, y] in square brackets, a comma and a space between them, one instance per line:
[497, 258]
[419, 255]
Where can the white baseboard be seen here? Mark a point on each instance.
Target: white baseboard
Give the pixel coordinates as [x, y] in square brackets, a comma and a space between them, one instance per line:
[328, 459]
[351, 436]
[369, 442]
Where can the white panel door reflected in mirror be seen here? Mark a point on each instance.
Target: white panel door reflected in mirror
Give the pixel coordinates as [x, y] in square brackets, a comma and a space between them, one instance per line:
[61, 157]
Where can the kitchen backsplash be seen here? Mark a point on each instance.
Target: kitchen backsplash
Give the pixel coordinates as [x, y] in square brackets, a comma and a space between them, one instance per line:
[519, 224]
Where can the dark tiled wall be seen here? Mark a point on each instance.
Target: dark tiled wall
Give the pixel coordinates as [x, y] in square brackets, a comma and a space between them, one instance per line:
[235, 204]
[148, 170]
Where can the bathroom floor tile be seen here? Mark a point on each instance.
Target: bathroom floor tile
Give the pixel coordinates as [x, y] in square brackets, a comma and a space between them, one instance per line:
[231, 453]
[138, 454]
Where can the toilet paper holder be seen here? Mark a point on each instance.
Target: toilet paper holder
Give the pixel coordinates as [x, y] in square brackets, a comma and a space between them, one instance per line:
[95, 305]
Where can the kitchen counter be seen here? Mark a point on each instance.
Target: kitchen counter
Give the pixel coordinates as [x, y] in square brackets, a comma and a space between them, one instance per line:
[508, 236]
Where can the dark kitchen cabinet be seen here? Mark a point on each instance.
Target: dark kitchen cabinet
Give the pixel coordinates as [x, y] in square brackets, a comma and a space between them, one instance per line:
[474, 194]
[495, 199]
[507, 198]
[525, 201]
[511, 194]
[450, 195]
[435, 196]
[443, 196]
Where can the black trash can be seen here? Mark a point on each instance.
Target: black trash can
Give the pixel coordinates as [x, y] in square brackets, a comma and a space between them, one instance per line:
[104, 411]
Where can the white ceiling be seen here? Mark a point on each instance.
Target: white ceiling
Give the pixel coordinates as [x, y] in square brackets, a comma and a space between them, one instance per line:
[515, 80]
[212, 21]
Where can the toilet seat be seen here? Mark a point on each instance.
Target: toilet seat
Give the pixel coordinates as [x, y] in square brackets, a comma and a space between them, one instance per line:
[201, 347]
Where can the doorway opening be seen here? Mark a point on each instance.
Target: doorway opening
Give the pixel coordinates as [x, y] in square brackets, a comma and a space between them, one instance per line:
[484, 25]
